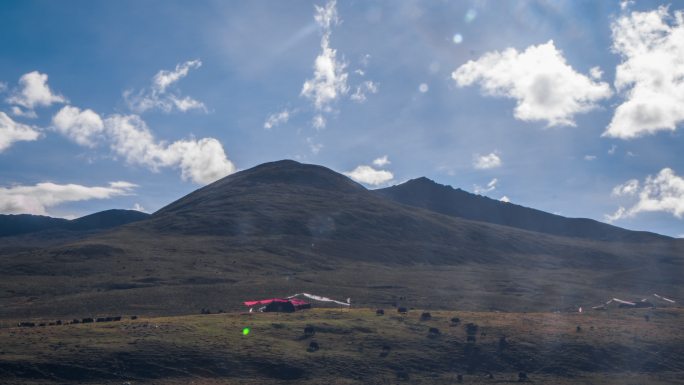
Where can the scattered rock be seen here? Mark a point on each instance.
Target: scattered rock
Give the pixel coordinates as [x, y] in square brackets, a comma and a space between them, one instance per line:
[433, 332]
[402, 310]
[380, 312]
[522, 377]
[426, 316]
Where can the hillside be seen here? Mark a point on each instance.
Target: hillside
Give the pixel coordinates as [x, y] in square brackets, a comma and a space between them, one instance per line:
[354, 347]
[285, 227]
[424, 193]
[11, 225]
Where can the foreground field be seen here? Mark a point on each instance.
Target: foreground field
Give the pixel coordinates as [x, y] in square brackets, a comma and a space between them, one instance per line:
[354, 347]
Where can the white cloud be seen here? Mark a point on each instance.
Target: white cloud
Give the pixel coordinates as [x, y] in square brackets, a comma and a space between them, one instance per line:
[83, 127]
[628, 188]
[42, 196]
[329, 81]
[367, 87]
[381, 161]
[611, 150]
[160, 96]
[483, 162]
[505, 199]
[276, 119]
[491, 186]
[545, 87]
[164, 78]
[138, 207]
[625, 4]
[318, 122]
[313, 146]
[17, 111]
[369, 175]
[596, 73]
[11, 131]
[202, 161]
[423, 88]
[651, 74]
[589, 157]
[3, 87]
[662, 193]
[34, 92]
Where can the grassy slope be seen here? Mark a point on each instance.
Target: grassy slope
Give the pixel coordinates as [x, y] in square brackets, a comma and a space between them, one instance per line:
[614, 347]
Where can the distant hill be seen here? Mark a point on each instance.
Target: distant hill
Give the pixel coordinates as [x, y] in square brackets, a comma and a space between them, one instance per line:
[11, 225]
[285, 227]
[425, 193]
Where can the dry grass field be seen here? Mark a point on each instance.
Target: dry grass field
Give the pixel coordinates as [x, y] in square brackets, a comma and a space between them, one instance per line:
[355, 347]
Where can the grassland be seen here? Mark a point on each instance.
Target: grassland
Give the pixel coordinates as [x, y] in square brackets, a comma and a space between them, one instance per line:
[356, 347]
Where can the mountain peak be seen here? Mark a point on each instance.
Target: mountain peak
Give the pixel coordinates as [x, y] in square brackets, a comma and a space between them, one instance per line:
[290, 172]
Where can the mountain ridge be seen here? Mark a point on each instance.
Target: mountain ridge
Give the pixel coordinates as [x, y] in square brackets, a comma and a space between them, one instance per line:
[428, 194]
[286, 227]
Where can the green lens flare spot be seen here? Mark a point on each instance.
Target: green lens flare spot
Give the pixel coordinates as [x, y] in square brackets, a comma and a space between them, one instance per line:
[245, 331]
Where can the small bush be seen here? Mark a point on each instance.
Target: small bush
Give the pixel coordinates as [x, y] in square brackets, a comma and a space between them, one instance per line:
[313, 346]
[426, 316]
[471, 328]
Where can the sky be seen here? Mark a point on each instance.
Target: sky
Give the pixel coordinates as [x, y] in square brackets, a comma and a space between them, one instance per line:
[571, 107]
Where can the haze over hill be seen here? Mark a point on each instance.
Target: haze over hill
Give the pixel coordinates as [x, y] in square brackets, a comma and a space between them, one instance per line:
[285, 227]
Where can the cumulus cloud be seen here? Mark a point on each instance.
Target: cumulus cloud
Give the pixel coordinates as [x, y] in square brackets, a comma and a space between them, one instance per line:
[161, 94]
[138, 207]
[202, 161]
[381, 161]
[34, 92]
[37, 199]
[369, 175]
[329, 80]
[276, 119]
[628, 188]
[661, 193]
[651, 74]
[483, 162]
[82, 126]
[544, 86]
[589, 158]
[491, 186]
[199, 160]
[11, 131]
[17, 111]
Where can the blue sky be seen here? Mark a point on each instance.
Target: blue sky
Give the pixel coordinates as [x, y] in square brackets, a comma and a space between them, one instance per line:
[572, 107]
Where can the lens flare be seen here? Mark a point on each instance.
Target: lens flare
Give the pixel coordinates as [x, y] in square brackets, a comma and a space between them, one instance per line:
[423, 88]
[245, 331]
[458, 38]
[470, 15]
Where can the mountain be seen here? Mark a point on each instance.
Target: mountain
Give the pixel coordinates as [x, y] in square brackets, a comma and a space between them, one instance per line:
[26, 223]
[425, 193]
[284, 227]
